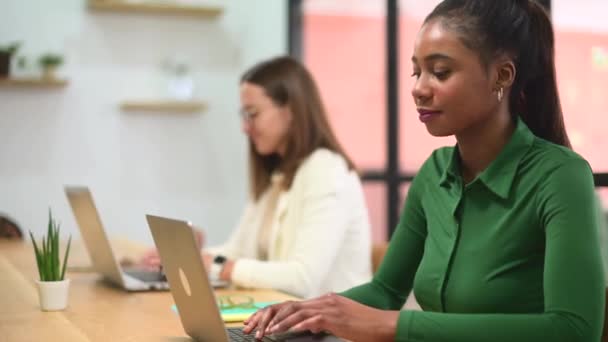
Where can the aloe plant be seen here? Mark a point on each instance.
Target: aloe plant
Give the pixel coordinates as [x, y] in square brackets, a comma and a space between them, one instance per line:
[47, 257]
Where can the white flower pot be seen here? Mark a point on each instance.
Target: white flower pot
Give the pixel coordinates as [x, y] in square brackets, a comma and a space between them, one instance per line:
[53, 295]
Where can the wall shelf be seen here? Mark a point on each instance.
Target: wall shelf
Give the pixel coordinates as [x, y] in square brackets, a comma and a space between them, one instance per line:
[155, 7]
[33, 82]
[172, 106]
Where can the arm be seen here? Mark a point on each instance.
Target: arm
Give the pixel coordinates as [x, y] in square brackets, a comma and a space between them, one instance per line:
[232, 247]
[393, 282]
[387, 291]
[316, 237]
[319, 233]
[603, 233]
[573, 280]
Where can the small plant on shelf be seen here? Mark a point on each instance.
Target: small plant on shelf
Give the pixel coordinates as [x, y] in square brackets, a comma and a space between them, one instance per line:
[49, 63]
[6, 53]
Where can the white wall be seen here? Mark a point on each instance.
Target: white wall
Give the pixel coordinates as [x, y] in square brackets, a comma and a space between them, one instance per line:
[186, 166]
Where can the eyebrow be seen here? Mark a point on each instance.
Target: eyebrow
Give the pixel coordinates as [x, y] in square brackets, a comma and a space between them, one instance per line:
[432, 57]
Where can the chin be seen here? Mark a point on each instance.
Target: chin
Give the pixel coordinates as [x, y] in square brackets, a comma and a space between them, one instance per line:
[263, 151]
[438, 131]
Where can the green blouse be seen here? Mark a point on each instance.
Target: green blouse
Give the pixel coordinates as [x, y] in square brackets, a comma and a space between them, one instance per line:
[511, 256]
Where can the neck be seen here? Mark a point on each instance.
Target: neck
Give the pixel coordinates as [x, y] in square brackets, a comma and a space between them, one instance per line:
[481, 144]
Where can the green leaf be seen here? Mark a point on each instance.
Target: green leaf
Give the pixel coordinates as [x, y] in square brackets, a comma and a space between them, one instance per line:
[48, 258]
[51, 239]
[55, 252]
[65, 258]
[45, 256]
[38, 256]
[50, 225]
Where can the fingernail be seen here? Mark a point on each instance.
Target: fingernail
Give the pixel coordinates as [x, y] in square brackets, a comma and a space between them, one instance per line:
[258, 334]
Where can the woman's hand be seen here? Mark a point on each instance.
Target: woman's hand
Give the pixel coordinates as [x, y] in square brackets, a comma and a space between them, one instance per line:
[151, 259]
[331, 313]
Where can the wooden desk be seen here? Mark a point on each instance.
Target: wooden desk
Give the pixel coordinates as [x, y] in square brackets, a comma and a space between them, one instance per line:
[96, 311]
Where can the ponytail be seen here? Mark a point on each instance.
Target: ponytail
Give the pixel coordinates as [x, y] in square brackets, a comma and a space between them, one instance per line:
[534, 96]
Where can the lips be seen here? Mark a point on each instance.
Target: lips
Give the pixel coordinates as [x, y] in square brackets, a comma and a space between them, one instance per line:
[427, 114]
[424, 111]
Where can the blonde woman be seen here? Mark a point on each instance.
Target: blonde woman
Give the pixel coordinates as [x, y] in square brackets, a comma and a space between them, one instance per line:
[305, 230]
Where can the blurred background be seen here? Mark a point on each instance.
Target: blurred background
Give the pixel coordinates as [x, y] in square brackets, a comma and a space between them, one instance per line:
[139, 101]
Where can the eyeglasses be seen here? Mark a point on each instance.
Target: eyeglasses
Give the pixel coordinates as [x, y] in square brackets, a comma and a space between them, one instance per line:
[235, 302]
[247, 116]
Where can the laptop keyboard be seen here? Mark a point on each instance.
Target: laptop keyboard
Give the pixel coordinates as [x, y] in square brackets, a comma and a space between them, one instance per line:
[237, 335]
[146, 276]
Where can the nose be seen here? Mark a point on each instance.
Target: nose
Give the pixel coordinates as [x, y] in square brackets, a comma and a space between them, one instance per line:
[421, 91]
[246, 126]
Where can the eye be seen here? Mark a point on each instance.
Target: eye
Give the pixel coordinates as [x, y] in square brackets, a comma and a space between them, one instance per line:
[415, 73]
[442, 74]
[248, 114]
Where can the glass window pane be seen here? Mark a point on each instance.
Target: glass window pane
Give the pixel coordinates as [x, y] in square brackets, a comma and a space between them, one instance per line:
[375, 196]
[581, 34]
[344, 47]
[581, 39]
[416, 144]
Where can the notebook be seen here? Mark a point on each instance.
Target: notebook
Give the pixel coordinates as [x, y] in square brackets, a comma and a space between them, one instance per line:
[237, 314]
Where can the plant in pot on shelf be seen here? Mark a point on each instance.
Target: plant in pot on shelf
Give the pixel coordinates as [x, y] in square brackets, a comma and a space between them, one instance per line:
[49, 63]
[52, 287]
[6, 53]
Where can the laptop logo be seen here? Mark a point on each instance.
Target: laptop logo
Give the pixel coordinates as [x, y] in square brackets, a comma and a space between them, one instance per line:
[185, 282]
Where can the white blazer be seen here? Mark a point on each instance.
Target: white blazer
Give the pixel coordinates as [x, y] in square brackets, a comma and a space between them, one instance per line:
[320, 234]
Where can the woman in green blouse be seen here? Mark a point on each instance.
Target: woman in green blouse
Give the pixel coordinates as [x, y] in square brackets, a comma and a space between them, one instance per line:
[499, 235]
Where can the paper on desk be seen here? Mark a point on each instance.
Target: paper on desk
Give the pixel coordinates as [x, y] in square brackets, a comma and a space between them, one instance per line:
[237, 314]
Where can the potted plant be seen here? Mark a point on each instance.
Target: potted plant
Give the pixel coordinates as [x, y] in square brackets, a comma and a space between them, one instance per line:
[181, 84]
[49, 63]
[52, 286]
[6, 52]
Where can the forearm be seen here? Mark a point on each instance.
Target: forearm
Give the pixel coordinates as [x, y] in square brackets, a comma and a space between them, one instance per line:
[290, 276]
[226, 273]
[377, 295]
[446, 327]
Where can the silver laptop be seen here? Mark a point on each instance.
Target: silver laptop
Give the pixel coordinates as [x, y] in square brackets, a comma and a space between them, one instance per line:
[192, 291]
[100, 251]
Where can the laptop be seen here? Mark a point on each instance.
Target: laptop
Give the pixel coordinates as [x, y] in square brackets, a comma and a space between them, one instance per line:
[192, 291]
[100, 251]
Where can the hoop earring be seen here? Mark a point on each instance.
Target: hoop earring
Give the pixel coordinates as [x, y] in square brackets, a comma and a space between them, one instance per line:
[500, 93]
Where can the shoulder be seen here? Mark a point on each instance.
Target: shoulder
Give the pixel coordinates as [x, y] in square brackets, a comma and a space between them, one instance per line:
[546, 159]
[323, 168]
[325, 161]
[558, 175]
